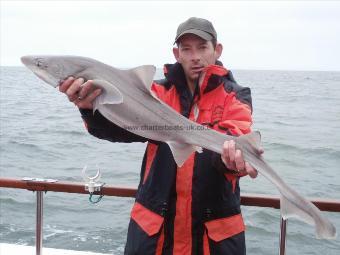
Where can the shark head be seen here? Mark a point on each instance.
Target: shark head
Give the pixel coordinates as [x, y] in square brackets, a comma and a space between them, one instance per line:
[54, 69]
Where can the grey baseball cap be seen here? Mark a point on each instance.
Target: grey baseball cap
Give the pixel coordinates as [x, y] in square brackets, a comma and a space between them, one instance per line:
[197, 26]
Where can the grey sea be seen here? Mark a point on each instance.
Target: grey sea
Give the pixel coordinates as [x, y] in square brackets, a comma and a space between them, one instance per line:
[42, 135]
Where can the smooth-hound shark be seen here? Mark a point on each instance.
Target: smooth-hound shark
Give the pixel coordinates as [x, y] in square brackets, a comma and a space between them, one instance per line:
[127, 100]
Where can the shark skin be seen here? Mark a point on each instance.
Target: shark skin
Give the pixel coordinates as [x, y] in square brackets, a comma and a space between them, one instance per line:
[127, 101]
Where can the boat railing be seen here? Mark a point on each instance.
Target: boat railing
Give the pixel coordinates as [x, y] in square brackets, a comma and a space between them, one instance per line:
[41, 186]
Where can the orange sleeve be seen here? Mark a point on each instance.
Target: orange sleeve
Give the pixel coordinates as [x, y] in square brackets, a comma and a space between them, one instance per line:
[158, 90]
[236, 119]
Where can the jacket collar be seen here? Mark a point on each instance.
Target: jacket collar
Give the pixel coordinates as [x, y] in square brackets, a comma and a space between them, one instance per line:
[174, 73]
[211, 77]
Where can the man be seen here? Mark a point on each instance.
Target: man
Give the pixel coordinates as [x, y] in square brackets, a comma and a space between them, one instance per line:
[195, 208]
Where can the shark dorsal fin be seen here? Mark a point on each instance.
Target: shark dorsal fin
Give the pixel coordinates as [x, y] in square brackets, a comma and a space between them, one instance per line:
[254, 139]
[145, 74]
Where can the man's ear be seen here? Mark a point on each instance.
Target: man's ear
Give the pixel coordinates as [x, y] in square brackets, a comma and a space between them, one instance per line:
[176, 53]
[218, 50]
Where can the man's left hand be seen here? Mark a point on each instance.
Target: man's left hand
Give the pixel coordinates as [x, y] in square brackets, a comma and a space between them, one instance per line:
[233, 159]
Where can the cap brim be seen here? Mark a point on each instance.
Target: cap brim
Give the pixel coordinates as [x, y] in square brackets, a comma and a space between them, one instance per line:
[204, 35]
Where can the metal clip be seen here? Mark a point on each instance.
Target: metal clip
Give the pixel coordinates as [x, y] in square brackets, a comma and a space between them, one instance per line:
[91, 184]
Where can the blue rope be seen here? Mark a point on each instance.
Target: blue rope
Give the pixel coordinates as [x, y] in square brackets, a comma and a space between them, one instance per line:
[97, 200]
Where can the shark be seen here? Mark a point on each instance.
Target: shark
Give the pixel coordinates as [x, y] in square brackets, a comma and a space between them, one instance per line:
[128, 101]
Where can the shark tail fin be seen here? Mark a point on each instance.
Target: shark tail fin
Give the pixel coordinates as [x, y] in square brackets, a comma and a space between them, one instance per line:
[324, 228]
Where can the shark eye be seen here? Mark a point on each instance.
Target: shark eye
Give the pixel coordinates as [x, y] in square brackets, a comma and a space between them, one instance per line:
[40, 63]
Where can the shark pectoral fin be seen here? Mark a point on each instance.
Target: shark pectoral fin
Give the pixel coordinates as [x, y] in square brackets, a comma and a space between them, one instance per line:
[182, 151]
[145, 74]
[310, 215]
[110, 94]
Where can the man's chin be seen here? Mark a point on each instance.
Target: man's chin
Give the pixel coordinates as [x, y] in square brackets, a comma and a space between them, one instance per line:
[195, 76]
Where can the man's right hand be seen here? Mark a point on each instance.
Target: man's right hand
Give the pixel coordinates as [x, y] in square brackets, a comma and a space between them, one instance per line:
[81, 93]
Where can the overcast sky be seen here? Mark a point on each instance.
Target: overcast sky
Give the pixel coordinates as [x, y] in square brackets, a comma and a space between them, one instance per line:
[286, 35]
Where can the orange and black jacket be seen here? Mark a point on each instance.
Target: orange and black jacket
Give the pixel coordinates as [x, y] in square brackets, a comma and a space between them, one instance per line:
[195, 208]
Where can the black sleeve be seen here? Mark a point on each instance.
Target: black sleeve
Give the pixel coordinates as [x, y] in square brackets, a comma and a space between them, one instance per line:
[219, 165]
[100, 127]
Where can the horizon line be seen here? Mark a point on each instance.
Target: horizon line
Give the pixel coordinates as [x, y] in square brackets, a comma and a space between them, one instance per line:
[235, 69]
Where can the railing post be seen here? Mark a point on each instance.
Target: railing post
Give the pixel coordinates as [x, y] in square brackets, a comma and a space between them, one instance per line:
[283, 232]
[39, 223]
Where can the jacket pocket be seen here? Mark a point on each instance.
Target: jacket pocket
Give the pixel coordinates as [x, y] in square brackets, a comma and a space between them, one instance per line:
[224, 228]
[204, 116]
[149, 221]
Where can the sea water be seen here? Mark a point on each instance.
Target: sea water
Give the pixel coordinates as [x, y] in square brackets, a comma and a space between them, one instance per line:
[42, 135]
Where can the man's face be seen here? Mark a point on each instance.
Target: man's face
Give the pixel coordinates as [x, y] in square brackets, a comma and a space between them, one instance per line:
[194, 53]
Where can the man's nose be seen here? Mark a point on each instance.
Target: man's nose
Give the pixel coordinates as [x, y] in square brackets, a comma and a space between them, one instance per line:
[195, 56]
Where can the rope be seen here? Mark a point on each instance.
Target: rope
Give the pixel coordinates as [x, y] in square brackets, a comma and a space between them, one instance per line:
[98, 198]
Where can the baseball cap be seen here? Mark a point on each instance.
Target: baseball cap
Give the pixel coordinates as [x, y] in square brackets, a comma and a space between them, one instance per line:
[197, 26]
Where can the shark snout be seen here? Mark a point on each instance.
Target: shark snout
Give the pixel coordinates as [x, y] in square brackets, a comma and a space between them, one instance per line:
[26, 60]
[39, 67]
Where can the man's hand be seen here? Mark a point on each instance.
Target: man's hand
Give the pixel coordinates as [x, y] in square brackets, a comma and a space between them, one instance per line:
[233, 160]
[81, 93]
